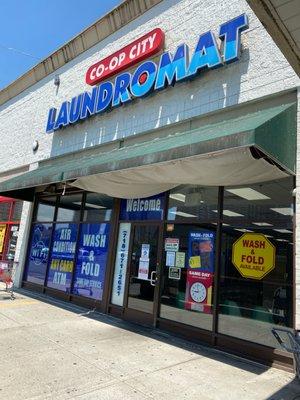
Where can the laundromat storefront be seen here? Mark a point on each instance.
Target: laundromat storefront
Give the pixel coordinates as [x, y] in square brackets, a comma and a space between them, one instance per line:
[202, 247]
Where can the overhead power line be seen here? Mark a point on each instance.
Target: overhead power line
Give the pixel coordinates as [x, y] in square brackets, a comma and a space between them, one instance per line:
[19, 51]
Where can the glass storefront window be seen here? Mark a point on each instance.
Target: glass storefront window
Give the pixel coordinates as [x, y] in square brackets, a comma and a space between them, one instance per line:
[4, 211]
[98, 207]
[38, 253]
[17, 211]
[188, 274]
[93, 242]
[69, 208]
[250, 306]
[61, 263]
[46, 209]
[193, 202]
[12, 242]
[91, 260]
[10, 215]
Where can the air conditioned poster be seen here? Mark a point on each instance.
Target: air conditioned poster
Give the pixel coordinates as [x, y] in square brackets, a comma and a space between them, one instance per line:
[62, 257]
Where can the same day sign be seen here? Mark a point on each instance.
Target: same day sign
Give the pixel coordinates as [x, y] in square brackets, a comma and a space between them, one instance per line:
[253, 255]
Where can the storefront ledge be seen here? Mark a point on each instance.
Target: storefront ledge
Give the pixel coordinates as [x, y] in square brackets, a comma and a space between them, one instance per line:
[87, 303]
[78, 300]
[138, 317]
[57, 294]
[32, 286]
[255, 352]
[115, 311]
[191, 333]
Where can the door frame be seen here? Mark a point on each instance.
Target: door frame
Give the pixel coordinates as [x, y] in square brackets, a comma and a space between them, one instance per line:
[131, 314]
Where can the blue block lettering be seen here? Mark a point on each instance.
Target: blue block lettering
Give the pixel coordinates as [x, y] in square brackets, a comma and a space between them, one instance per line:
[206, 54]
[51, 120]
[63, 116]
[230, 34]
[121, 94]
[105, 94]
[172, 70]
[75, 108]
[147, 70]
[88, 103]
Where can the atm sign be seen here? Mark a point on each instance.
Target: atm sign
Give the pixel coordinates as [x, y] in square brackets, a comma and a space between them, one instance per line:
[142, 48]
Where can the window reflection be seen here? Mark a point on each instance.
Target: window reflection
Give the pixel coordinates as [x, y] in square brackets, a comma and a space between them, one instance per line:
[17, 211]
[46, 209]
[250, 307]
[98, 207]
[69, 208]
[193, 202]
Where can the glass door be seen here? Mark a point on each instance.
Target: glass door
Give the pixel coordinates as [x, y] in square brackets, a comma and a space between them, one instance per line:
[143, 273]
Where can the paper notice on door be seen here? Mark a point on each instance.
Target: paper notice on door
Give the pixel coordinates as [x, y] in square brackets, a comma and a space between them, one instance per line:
[174, 273]
[180, 259]
[171, 244]
[170, 258]
[145, 251]
[143, 269]
[195, 262]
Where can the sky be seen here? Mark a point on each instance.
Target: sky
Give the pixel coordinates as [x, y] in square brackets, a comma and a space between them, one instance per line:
[39, 27]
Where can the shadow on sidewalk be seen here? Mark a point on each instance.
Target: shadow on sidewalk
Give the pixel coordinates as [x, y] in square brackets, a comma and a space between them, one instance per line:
[291, 391]
[164, 337]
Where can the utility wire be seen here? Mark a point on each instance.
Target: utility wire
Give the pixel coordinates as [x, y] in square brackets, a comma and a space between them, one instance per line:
[19, 51]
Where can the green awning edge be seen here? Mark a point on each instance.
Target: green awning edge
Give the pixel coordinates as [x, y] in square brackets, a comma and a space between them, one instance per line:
[262, 129]
[278, 138]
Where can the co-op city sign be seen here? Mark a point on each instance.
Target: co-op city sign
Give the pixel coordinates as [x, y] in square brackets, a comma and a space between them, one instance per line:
[149, 76]
[137, 51]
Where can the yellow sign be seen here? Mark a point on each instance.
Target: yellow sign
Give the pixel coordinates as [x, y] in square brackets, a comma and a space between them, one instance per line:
[253, 255]
[195, 262]
[2, 236]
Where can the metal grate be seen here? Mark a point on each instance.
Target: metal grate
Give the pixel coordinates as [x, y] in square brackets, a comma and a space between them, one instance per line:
[290, 343]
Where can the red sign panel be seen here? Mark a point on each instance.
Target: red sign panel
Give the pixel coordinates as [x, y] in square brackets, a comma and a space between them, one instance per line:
[144, 47]
[198, 296]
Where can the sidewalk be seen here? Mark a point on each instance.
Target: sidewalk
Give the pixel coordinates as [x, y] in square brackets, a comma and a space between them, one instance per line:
[54, 350]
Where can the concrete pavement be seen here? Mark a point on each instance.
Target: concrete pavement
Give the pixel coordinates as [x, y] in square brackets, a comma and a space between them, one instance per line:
[54, 350]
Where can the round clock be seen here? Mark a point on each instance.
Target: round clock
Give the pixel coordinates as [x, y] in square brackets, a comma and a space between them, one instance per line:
[198, 292]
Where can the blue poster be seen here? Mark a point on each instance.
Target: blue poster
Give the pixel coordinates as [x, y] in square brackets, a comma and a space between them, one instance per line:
[62, 257]
[202, 251]
[150, 208]
[38, 253]
[91, 260]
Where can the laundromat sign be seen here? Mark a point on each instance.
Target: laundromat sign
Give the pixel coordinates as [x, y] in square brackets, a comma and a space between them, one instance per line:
[149, 76]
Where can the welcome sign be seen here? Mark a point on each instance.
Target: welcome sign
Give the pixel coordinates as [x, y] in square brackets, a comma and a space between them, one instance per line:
[148, 76]
[150, 208]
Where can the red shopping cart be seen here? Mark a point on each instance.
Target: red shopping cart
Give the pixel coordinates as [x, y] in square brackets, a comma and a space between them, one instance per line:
[6, 276]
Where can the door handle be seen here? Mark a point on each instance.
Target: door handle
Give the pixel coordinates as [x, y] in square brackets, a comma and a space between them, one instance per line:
[153, 278]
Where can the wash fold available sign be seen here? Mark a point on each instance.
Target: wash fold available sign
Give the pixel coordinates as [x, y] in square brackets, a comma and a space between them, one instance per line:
[183, 64]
